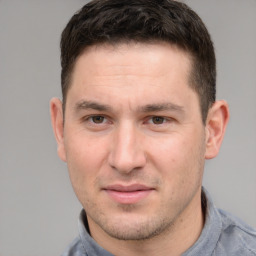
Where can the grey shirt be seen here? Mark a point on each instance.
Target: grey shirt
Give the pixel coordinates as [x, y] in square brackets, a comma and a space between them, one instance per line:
[223, 234]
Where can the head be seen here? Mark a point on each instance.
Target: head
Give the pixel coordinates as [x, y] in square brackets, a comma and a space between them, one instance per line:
[114, 22]
[138, 80]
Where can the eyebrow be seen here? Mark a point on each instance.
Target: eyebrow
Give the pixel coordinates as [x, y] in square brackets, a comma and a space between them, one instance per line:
[84, 104]
[162, 107]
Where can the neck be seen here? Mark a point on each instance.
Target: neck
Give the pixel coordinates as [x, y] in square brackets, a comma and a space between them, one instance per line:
[182, 234]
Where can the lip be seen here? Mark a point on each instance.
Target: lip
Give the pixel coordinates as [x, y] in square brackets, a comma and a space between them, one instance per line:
[130, 194]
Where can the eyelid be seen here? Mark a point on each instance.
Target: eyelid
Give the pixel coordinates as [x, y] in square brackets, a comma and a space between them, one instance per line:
[89, 119]
[165, 119]
[100, 116]
[107, 120]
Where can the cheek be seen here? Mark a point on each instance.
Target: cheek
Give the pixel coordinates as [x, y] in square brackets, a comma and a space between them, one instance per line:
[84, 150]
[168, 151]
[85, 158]
[178, 159]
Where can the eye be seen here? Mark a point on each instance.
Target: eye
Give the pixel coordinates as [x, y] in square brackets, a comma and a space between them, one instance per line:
[158, 120]
[95, 122]
[97, 119]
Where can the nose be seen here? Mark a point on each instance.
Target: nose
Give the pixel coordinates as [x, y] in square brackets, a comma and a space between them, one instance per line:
[127, 153]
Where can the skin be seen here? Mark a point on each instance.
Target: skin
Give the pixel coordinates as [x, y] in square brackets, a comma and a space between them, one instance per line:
[132, 122]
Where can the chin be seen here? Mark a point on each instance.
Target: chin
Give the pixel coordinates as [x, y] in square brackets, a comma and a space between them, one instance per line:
[135, 227]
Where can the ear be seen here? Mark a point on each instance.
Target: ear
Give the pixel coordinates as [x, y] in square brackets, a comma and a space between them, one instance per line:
[58, 126]
[216, 124]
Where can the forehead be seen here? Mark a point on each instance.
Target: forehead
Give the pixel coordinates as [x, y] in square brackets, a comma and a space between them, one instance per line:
[152, 70]
[153, 59]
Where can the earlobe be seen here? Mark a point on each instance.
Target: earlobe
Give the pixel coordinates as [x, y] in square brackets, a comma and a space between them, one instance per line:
[216, 124]
[58, 126]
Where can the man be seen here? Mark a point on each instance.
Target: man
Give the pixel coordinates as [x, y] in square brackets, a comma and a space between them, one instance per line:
[138, 119]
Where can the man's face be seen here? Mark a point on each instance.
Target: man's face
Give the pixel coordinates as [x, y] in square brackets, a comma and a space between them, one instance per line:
[134, 140]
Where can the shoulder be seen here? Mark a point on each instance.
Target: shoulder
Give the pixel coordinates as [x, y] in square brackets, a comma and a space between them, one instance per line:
[236, 238]
[74, 249]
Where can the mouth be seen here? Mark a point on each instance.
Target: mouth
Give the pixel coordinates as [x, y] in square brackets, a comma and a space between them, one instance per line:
[130, 194]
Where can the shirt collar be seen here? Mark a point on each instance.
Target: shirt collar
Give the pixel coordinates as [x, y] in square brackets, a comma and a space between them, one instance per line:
[210, 234]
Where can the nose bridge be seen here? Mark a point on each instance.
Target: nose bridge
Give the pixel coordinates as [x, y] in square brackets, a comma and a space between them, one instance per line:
[127, 151]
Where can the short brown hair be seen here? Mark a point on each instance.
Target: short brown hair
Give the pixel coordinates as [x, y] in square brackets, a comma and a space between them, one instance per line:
[146, 21]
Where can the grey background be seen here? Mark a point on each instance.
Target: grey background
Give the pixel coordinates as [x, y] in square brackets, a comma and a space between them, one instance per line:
[38, 210]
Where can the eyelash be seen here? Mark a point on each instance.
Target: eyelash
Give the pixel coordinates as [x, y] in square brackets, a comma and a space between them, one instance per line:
[148, 120]
[162, 119]
[90, 119]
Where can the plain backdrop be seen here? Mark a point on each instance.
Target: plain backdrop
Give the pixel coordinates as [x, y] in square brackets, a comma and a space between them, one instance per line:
[38, 209]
